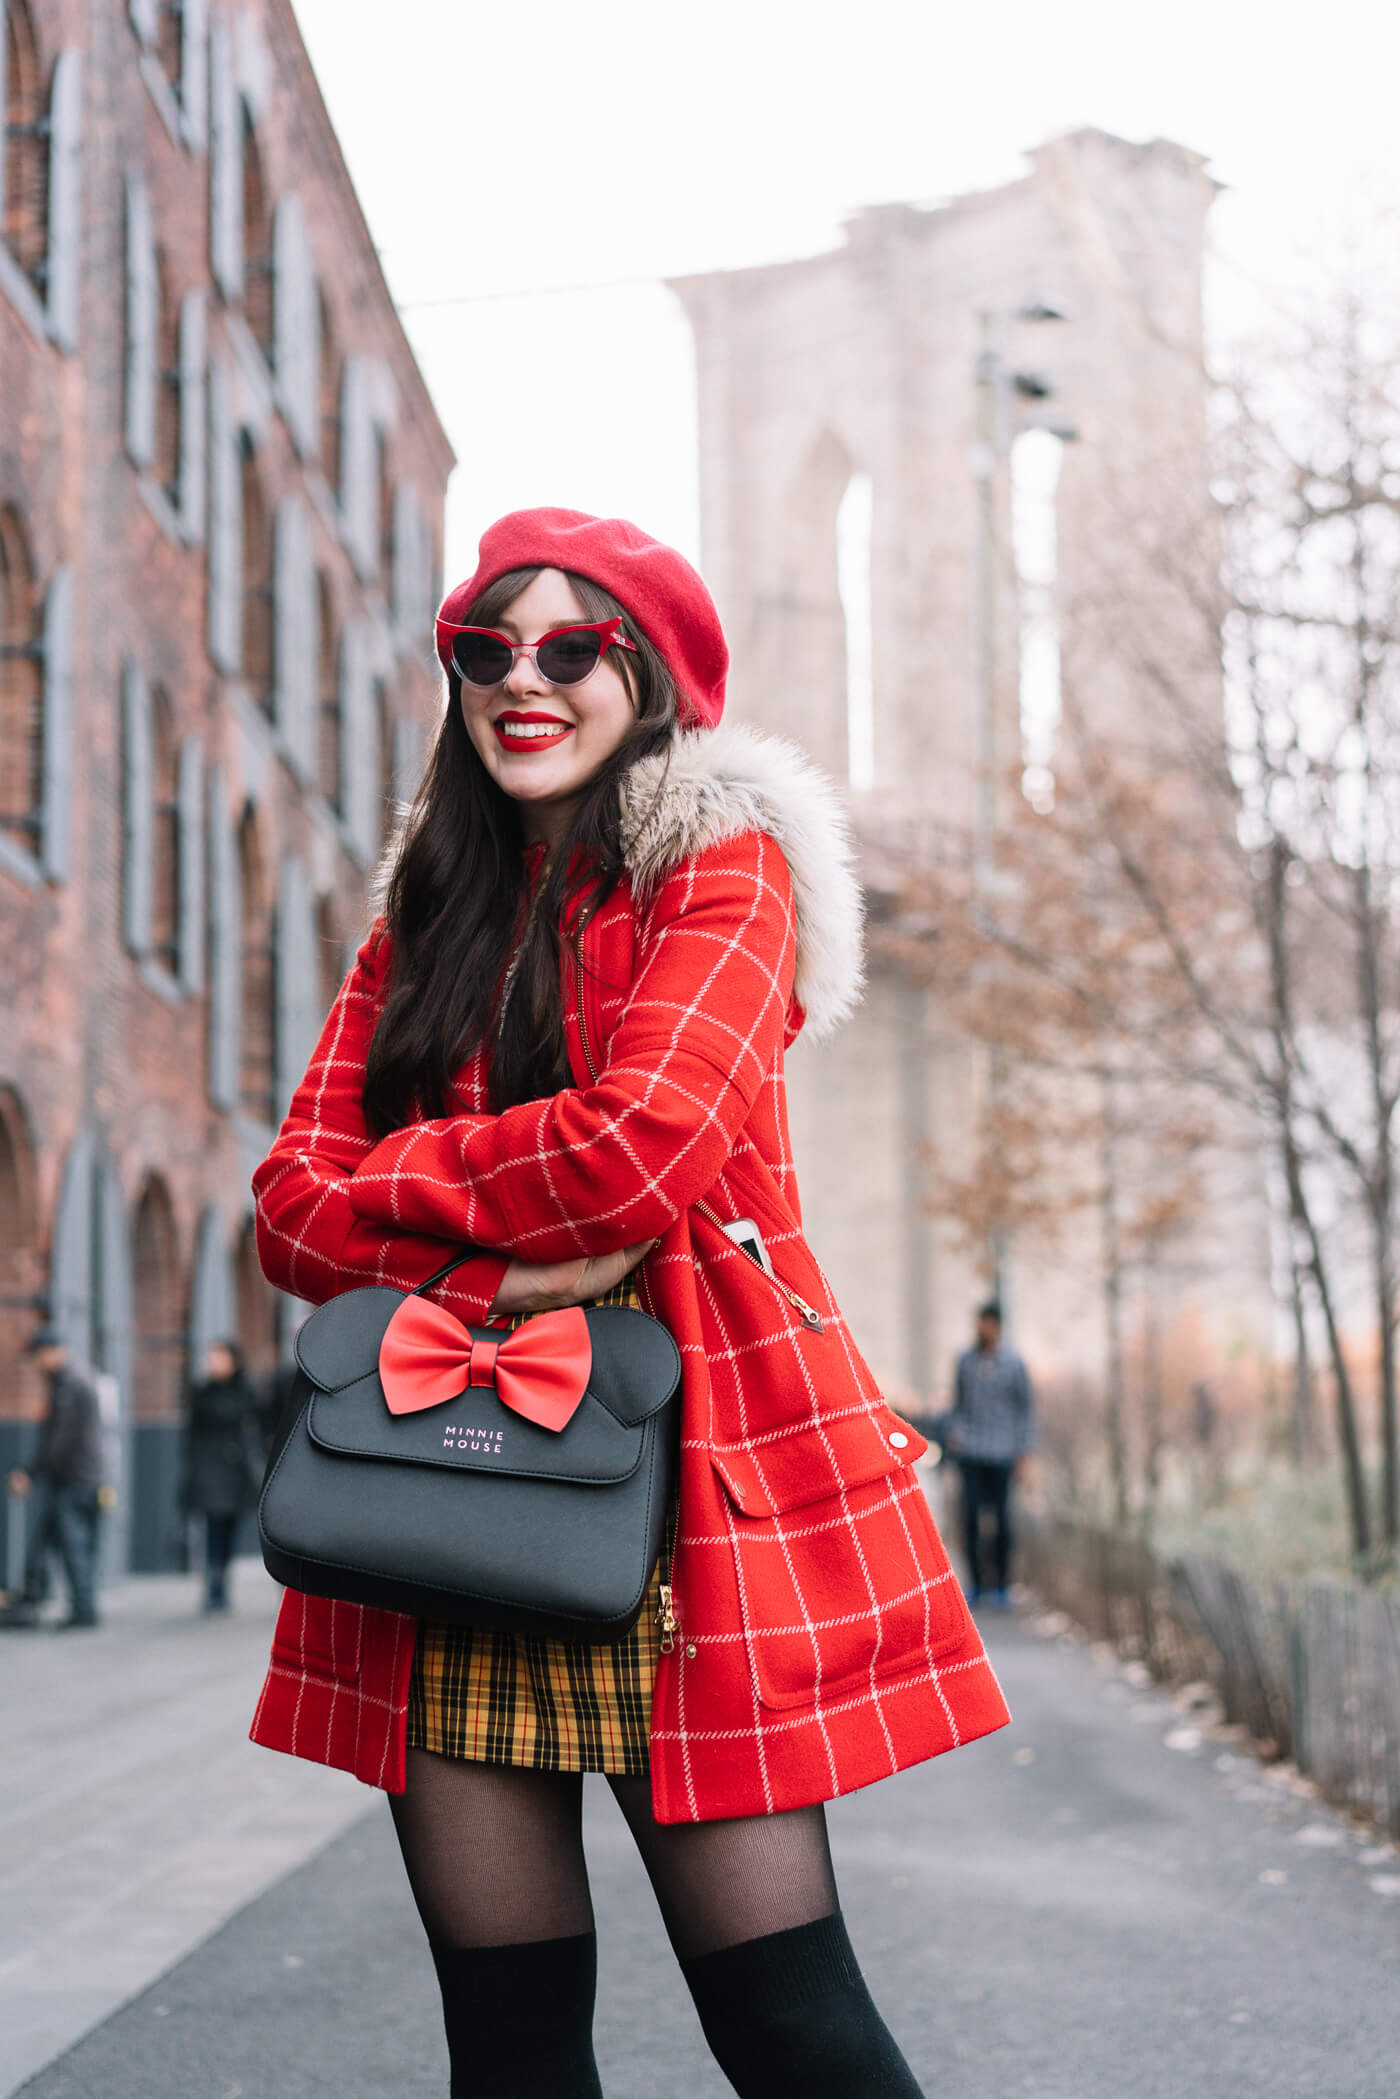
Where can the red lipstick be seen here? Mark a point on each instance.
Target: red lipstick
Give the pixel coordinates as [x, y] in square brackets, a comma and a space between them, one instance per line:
[529, 732]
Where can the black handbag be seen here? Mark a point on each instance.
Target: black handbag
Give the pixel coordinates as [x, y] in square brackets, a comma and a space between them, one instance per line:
[465, 1511]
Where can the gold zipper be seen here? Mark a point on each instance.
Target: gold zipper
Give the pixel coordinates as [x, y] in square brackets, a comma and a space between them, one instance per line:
[667, 1619]
[808, 1314]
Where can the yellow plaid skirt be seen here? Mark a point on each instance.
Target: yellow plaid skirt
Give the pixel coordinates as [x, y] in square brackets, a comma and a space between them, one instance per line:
[547, 1705]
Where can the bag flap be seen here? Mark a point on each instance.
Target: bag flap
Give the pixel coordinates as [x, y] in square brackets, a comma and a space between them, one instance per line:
[813, 1460]
[476, 1434]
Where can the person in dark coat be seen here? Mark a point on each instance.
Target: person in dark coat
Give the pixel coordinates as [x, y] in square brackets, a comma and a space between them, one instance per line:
[988, 1431]
[222, 1460]
[64, 1486]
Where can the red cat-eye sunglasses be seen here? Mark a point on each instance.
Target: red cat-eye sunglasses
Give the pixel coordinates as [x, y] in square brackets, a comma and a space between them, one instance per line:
[565, 656]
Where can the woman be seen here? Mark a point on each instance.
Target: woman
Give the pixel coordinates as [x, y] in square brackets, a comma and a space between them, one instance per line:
[222, 1461]
[564, 1041]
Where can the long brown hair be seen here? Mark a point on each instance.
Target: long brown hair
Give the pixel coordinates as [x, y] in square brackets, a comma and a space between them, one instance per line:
[455, 900]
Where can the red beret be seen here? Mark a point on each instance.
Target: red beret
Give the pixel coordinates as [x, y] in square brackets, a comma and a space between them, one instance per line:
[654, 584]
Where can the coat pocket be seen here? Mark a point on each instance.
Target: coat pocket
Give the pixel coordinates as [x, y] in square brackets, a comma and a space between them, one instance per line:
[843, 1580]
[319, 1636]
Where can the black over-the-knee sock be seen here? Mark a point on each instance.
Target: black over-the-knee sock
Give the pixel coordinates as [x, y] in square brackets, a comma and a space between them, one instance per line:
[520, 2018]
[790, 2014]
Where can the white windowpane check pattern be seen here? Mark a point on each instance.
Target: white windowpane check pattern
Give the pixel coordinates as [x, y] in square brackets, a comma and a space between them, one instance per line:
[824, 1642]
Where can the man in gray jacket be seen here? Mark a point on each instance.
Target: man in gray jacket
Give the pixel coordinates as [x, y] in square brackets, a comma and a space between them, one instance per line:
[64, 1485]
[988, 1431]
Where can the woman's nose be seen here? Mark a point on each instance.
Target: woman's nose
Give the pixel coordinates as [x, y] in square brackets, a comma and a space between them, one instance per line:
[524, 676]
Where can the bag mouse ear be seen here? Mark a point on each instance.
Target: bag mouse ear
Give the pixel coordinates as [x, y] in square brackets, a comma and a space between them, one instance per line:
[339, 1351]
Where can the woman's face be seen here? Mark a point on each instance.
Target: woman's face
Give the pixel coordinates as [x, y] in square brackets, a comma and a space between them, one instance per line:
[584, 724]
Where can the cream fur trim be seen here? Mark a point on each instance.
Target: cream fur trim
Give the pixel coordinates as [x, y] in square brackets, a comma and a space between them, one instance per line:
[717, 783]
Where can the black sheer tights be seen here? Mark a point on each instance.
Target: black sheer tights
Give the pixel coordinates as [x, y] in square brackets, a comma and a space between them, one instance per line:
[495, 1858]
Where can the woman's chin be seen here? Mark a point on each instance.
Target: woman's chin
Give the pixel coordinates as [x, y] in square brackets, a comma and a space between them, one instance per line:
[538, 778]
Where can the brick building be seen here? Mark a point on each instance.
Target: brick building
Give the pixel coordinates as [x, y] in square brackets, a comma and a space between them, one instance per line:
[221, 487]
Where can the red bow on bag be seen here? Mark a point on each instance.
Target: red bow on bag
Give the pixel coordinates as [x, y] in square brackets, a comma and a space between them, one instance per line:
[539, 1371]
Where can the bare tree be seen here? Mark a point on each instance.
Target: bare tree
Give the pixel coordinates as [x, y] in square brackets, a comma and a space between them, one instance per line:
[1311, 487]
[1212, 902]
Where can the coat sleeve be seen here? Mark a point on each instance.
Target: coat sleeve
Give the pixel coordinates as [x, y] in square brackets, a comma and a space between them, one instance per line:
[311, 1241]
[599, 1167]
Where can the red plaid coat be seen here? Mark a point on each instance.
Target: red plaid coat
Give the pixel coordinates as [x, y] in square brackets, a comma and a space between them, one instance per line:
[824, 1640]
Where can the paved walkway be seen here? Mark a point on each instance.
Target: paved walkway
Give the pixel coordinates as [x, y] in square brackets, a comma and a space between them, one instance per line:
[1100, 1903]
[135, 1816]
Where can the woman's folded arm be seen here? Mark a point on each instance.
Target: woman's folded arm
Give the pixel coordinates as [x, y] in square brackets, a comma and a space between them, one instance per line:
[312, 1242]
[595, 1168]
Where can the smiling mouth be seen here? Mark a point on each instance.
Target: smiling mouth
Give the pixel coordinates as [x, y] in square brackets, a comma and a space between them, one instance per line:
[530, 732]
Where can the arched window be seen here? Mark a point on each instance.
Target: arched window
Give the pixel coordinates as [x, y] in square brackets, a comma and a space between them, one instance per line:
[26, 172]
[21, 689]
[158, 1307]
[329, 380]
[1036, 458]
[258, 263]
[21, 1268]
[166, 463]
[256, 653]
[808, 642]
[854, 525]
[165, 834]
[328, 758]
[257, 1306]
[329, 954]
[257, 976]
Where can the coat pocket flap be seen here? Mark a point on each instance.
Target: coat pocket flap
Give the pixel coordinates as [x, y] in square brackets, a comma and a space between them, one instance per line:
[814, 1460]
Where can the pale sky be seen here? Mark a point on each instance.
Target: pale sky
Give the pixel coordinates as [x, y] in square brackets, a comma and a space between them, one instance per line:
[501, 148]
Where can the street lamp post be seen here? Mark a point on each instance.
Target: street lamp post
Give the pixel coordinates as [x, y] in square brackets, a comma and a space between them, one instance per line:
[999, 386]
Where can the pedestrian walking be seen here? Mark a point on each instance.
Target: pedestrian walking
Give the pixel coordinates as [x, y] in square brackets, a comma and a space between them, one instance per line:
[989, 1430]
[563, 1043]
[222, 1462]
[63, 1489]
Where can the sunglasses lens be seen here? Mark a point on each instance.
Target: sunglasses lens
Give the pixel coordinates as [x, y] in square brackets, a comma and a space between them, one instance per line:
[566, 659]
[481, 659]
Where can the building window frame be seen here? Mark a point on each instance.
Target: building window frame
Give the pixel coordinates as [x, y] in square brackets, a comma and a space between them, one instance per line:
[25, 166]
[258, 231]
[258, 607]
[173, 37]
[40, 179]
[21, 698]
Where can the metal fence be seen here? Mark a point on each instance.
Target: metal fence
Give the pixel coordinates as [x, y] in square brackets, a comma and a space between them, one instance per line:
[1309, 1665]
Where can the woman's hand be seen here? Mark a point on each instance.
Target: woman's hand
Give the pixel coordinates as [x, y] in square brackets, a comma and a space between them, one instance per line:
[548, 1286]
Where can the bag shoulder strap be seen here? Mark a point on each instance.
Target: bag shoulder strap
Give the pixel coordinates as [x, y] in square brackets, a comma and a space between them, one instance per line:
[431, 1282]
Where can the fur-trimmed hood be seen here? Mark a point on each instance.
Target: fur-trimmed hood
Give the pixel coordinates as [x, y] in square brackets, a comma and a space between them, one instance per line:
[715, 783]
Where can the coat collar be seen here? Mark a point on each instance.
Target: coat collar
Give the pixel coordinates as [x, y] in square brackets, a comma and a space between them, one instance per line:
[713, 784]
